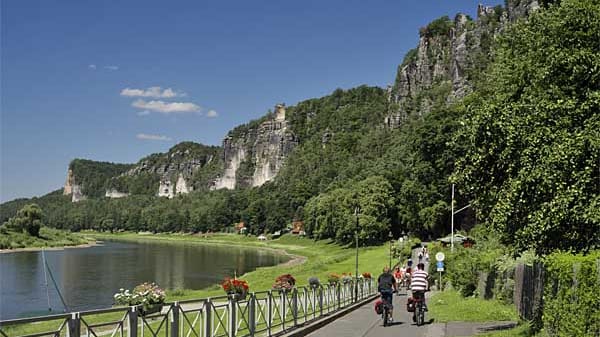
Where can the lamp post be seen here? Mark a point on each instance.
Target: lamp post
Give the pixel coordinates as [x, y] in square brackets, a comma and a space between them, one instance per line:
[356, 211]
[391, 236]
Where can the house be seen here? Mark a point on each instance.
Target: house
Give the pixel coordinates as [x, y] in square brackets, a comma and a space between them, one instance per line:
[465, 241]
[241, 228]
[297, 227]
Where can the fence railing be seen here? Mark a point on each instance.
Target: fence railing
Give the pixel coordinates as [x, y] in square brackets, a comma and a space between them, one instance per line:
[263, 313]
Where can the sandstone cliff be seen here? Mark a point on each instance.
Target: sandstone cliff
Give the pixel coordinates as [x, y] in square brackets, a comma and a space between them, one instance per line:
[254, 153]
[449, 56]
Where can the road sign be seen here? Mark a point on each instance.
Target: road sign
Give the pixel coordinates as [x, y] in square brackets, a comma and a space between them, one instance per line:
[440, 266]
[440, 256]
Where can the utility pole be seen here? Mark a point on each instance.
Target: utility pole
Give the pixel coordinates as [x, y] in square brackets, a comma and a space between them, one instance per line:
[452, 222]
[356, 210]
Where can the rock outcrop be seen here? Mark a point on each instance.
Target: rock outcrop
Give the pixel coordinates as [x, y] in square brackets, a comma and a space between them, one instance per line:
[72, 188]
[255, 153]
[441, 69]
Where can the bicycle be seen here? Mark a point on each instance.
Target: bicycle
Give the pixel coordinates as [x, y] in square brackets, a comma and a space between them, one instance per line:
[387, 306]
[419, 309]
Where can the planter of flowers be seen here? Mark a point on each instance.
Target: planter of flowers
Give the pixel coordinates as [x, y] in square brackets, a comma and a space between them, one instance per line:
[147, 296]
[346, 278]
[236, 289]
[366, 276]
[314, 282]
[333, 279]
[284, 283]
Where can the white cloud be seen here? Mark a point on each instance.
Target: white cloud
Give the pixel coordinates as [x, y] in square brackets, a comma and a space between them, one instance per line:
[111, 68]
[145, 136]
[143, 113]
[211, 114]
[166, 107]
[154, 92]
[92, 66]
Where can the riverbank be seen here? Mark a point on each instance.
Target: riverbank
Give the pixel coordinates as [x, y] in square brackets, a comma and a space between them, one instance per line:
[49, 238]
[308, 258]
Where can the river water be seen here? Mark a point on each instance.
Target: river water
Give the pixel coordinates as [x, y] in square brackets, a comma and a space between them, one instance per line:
[89, 277]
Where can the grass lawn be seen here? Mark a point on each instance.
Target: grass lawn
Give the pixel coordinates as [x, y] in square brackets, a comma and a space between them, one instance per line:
[451, 306]
[49, 237]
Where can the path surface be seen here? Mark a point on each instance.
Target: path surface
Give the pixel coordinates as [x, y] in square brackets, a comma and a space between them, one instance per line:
[364, 322]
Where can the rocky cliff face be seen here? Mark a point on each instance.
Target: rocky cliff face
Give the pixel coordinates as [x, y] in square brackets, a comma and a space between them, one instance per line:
[450, 53]
[170, 173]
[72, 188]
[255, 153]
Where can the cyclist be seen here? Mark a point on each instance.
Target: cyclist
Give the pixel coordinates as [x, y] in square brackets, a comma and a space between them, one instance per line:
[386, 286]
[419, 286]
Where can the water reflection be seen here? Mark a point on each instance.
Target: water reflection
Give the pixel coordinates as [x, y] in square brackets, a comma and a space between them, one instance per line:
[87, 278]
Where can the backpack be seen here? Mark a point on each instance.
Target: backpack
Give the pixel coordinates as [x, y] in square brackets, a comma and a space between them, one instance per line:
[378, 306]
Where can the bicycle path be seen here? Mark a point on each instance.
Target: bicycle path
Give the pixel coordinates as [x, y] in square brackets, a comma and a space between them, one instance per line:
[364, 322]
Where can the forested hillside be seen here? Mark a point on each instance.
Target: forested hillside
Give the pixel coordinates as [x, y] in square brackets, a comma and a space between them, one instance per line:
[516, 130]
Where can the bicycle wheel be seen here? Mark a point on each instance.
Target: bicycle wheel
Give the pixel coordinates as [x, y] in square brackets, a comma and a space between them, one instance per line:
[385, 315]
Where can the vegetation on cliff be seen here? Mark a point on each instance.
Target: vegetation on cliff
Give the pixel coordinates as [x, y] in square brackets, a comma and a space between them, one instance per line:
[523, 149]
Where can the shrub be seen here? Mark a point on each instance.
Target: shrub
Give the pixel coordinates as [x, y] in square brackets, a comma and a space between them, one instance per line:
[571, 296]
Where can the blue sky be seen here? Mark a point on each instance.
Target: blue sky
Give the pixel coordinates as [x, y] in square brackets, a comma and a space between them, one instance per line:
[79, 78]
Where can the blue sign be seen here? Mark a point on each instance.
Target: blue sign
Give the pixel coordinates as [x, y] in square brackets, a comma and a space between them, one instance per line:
[440, 264]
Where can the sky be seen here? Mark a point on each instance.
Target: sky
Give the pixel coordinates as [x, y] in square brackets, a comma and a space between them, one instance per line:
[118, 80]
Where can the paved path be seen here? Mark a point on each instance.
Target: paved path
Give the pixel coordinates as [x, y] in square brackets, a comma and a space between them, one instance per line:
[364, 322]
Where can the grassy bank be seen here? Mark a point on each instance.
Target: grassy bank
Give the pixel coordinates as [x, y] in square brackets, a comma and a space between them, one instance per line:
[451, 306]
[48, 237]
[310, 258]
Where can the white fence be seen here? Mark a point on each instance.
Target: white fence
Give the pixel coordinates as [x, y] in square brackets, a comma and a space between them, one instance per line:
[263, 313]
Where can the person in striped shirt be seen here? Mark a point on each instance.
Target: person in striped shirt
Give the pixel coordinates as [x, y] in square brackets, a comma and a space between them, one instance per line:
[419, 285]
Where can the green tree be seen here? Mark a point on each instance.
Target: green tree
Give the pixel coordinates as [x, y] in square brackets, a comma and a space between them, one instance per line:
[28, 219]
[533, 165]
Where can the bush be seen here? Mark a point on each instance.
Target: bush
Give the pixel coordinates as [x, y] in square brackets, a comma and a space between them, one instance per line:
[571, 296]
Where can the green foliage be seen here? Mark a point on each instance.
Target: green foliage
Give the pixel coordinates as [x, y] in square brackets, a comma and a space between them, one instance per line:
[28, 219]
[93, 175]
[571, 296]
[48, 237]
[533, 131]
[331, 214]
[438, 27]
[451, 306]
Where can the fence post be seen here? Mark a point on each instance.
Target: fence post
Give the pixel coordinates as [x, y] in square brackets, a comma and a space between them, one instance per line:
[175, 319]
[133, 322]
[321, 301]
[295, 305]
[338, 289]
[252, 314]
[282, 308]
[269, 312]
[231, 306]
[74, 325]
[208, 318]
[305, 303]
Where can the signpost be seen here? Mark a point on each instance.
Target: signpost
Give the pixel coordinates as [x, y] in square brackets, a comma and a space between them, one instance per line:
[440, 265]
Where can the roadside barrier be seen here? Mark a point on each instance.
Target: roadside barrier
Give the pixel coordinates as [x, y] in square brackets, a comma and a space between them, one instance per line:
[263, 313]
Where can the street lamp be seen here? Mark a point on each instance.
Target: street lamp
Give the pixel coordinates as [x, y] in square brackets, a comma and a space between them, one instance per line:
[356, 211]
[391, 236]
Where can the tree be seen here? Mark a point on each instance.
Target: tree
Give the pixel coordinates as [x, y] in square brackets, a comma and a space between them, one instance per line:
[533, 165]
[28, 219]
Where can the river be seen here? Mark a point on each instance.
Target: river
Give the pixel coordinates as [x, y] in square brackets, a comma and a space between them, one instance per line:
[88, 277]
